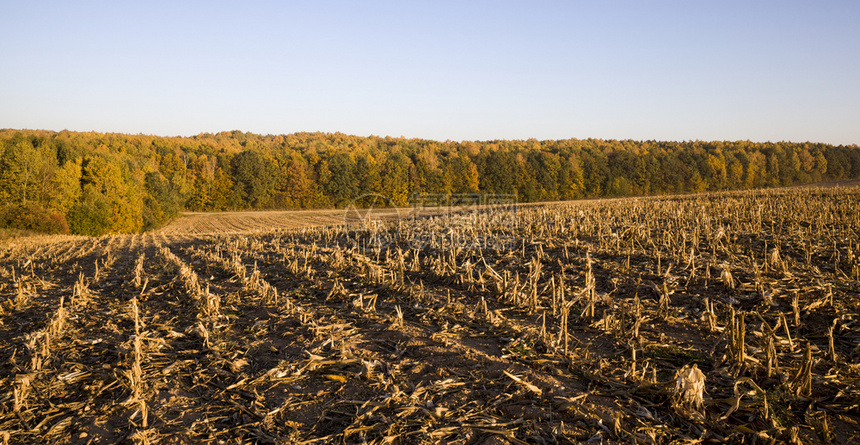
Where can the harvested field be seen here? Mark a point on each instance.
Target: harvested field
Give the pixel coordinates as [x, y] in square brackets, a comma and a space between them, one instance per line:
[243, 222]
[697, 319]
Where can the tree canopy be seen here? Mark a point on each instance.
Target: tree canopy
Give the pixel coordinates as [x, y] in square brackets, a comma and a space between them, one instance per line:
[118, 183]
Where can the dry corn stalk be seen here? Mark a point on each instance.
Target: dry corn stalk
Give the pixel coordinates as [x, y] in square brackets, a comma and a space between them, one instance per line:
[774, 257]
[770, 352]
[822, 428]
[728, 279]
[590, 290]
[143, 437]
[135, 376]
[756, 390]
[21, 391]
[688, 397]
[711, 316]
[526, 384]
[138, 271]
[58, 322]
[563, 335]
[211, 305]
[20, 296]
[787, 332]
[795, 306]
[637, 314]
[632, 372]
[737, 345]
[831, 349]
[254, 281]
[399, 320]
[663, 309]
[801, 384]
[80, 289]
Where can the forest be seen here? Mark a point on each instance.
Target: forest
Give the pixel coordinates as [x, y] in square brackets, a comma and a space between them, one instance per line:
[92, 183]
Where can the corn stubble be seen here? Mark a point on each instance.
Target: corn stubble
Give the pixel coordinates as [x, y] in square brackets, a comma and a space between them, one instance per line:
[708, 318]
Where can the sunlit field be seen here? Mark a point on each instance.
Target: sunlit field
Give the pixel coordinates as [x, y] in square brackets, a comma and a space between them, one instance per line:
[690, 319]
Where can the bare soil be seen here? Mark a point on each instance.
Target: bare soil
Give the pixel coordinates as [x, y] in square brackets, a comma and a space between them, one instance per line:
[562, 323]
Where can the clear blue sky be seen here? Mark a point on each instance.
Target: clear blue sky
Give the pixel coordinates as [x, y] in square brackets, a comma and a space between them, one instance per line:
[458, 70]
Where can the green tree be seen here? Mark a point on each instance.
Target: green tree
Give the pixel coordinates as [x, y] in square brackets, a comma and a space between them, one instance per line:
[367, 174]
[66, 186]
[254, 178]
[498, 172]
[221, 193]
[161, 202]
[596, 171]
[463, 175]
[570, 179]
[109, 178]
[342, 185]
[26, 171]
[395, 183]
[718, 179]
[821, 163]
[297, 184]
[618, 186]
[90, 216]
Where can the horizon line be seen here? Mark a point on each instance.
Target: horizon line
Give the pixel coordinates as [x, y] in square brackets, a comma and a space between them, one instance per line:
[461, 141]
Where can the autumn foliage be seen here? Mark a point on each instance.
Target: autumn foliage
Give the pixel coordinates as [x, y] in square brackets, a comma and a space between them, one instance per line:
[33, 217]
[117, 183]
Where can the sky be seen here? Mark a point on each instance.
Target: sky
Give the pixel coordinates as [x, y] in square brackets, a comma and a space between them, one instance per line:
[444, 70]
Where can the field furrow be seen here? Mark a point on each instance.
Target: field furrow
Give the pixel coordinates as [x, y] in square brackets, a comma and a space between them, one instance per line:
[709, 318]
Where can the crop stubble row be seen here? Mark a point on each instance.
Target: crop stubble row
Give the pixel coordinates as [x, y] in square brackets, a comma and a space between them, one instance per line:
[450, 328]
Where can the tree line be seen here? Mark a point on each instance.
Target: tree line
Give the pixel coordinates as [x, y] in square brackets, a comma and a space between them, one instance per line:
[95, 183]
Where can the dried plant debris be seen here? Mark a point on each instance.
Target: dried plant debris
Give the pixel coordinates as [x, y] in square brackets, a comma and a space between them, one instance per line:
[689, 390]
[711, 318]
